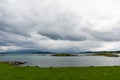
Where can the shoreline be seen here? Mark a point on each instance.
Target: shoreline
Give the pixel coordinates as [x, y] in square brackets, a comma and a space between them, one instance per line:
[21, 64]
[15, 63]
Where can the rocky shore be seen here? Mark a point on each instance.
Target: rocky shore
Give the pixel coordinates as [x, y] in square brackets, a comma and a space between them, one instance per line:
[14, 62]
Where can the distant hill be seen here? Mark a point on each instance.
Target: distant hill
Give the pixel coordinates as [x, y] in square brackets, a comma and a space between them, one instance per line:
[102, 52]
[33, 51]
[47, 52]
[26, 52]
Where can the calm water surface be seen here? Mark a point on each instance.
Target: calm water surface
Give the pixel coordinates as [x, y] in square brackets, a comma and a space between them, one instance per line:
[52, 61]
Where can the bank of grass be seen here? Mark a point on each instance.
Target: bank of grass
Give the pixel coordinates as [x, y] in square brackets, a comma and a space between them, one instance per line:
[64, 54]
[106, 54]
[9, 72]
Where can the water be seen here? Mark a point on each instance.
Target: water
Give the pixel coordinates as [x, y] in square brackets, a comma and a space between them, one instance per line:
[53, 61]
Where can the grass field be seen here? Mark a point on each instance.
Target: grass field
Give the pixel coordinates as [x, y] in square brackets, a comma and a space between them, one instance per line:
[9, 72]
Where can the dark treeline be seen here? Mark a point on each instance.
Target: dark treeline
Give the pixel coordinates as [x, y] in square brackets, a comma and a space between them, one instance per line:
[102, 52]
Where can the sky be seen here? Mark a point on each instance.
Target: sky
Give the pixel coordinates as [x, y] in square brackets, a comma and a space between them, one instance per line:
[60, 25]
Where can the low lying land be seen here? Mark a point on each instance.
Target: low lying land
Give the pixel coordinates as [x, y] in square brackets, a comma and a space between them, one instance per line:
[106, 54]
[10, 72]
[64, 54]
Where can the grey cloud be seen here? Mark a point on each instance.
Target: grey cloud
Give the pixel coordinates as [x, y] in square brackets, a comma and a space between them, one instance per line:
[62, 28]
[109, 36]
[24, 24]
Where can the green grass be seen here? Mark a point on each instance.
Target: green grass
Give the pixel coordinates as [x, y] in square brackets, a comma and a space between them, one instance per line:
[9, 72]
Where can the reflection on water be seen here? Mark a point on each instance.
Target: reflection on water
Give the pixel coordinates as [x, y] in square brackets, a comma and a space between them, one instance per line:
[53, 61]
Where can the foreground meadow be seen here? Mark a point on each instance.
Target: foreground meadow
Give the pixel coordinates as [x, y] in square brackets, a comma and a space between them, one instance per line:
[9, 72]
